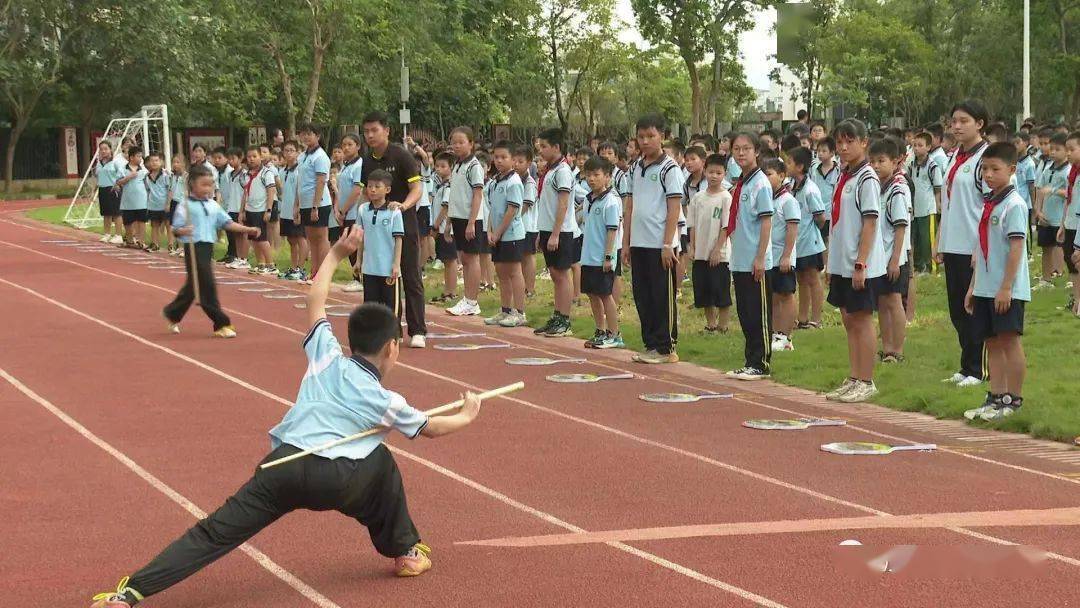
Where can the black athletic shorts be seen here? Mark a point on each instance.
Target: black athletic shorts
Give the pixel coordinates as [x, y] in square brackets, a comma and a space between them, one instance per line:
[1067, 248]
[172, 209]
[900, 285]
[814, 261]
[423, 220]
[275, 212]
[508, 251]
[322, 222]
[479, 243]
[445, 250]
[782, 282]
[712, 284]
[290, 229]
[254, 219]
[684, 243]
[530, 242]
[579, 245]
[596, 282]
[563, 257]
[843, 295]
[130, 216]
[987, 323]
[108, 202]
[1047, 236]
[157, 216]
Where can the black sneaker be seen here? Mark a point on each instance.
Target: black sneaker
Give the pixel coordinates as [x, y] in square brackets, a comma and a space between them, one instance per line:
[560, 328]
[598, 338]
[543, 329]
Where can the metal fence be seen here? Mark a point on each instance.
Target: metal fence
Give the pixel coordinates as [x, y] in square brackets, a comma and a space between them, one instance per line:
[37, 153]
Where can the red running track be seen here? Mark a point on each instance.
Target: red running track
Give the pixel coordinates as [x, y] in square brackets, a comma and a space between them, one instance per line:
[114, 424]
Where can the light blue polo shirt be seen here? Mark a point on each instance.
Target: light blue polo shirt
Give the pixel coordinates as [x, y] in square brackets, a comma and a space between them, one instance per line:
[603, 215]
[557, 179]
[467, 176]
[733, 169]
[207, 217]
[941, 157]
[157, 191]
[504, 193]
[785, 212]
[1043, 165]
[289, 181]
[178, 188]
[232, 193]
[755, 204]
[528, 203]
[257, 189]
[961, 204]
[311, 164]
[347, 179]
[651, 186]
[108, 172]
[133, 195]
[1057, 178]
[581, 190]
[340, 396]
[1008, 221]
[825, 182]
[1025, 178]
[896, 197]
[928, 178]
[811, 206]
[382, 227]
[860, 199]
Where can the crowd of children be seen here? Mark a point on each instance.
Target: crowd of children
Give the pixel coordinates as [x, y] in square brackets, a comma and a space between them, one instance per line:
[773, 218]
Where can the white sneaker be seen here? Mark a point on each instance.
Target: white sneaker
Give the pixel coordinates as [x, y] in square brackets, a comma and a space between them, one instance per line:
[514, 319]
[955, 378]
[497, 319]
[174, 328]
[417, 341]
[858, 393]
[243, 265]
[354, 286]
[841, 390]
[116, 239]
[233, 264]
[464, 308]
[969, 381]
[104, 238]
[781, 343]
[438, 265]
[777, 342]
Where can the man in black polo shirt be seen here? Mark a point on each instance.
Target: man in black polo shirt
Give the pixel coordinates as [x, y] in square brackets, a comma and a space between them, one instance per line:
[404, 194]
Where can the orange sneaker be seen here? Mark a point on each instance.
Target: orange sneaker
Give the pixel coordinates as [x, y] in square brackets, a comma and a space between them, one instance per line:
[413, 563]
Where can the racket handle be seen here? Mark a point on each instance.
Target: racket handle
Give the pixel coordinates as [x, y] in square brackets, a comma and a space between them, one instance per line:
[915, 447]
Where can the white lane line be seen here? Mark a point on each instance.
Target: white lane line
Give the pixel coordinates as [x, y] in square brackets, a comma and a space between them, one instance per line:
[635, 438]
[261, 558]
[674, 567]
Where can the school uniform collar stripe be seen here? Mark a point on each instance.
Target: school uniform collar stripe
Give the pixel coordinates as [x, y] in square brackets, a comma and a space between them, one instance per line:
[1000, 196]
[745, 177]
[366, 365]
[589, 197]
[314, 328]
[659, 162]
[852, 171]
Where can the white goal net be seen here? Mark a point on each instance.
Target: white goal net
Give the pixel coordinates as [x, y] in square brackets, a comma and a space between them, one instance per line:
[149, 129]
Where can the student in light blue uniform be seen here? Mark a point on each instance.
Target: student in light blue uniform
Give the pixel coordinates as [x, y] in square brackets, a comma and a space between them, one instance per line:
[825, 173]
[157, 182]
[1025, 171]
[177, 195]
[107, 171]
[1050, 207]
[810, 244]
[313, 193]
[749, 228]
[505, 195]
[558, 229]
[600, 263]
[291, 228]
[133, 199]
[350, 191]
[1071, 220]
[384, 230]
[1000, 286]
[340, 395]
[885, 157]
[783, 239]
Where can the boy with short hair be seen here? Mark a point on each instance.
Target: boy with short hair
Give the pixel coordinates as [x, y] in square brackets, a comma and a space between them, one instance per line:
[928, 178]
[505, 195]
[1050, 207]
[1071, 221]
[133, 199]
[809, 244]
[157, 200]
[694, 169]
[523, 158]
[783, 235]
[558, 229]
[259, 197]
[651, 241]
[379, 254]
[825, 173]
[1000, 286]
[707, 219]
[445, 251]
[885, 156]
[1025, 173]
[339, 395]
[196, 223]
[177, 196]
[291, 227]
[600, 263]
[232, 199]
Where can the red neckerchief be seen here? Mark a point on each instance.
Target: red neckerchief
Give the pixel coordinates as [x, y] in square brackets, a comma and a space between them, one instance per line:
[961, 157]
[251, 178]
[1074, 172]
[733, 214]
[838, 192]
[989, 202]
[543, 174]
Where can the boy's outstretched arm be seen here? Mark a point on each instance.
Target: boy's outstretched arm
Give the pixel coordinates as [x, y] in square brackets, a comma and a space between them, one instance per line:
[316, 298]
[443, 425]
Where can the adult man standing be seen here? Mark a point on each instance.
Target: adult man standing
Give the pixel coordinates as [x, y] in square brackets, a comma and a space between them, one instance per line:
[405, 192]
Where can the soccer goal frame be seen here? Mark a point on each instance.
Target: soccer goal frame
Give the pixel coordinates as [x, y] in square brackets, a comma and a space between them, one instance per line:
[149, 129]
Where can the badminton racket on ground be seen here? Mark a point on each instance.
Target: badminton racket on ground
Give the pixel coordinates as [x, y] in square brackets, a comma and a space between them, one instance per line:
[541, 361]
[681, 397]
[468, 346]
[442, 409]
[586, 378]
[868, 448]
[438, 336]
[791, 425]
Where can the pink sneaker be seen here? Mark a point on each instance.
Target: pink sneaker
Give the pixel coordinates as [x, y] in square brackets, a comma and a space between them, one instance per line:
[413, 563]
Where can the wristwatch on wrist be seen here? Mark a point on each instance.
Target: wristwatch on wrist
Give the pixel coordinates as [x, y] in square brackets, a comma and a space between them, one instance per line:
[860, 266]
[609, 257]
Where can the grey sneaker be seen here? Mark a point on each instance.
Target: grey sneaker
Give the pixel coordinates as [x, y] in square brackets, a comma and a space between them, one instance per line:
[497, 319]
[514, 319]
[861, 391]
[839, 391]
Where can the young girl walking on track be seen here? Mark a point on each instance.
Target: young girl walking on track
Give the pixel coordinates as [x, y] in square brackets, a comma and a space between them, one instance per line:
[196, 223]
[339, 396]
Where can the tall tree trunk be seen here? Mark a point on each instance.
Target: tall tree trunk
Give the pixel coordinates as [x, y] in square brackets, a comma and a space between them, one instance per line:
[553, 47]
[17, 128]
[695, 95]
[313, 85]
[286, 89]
